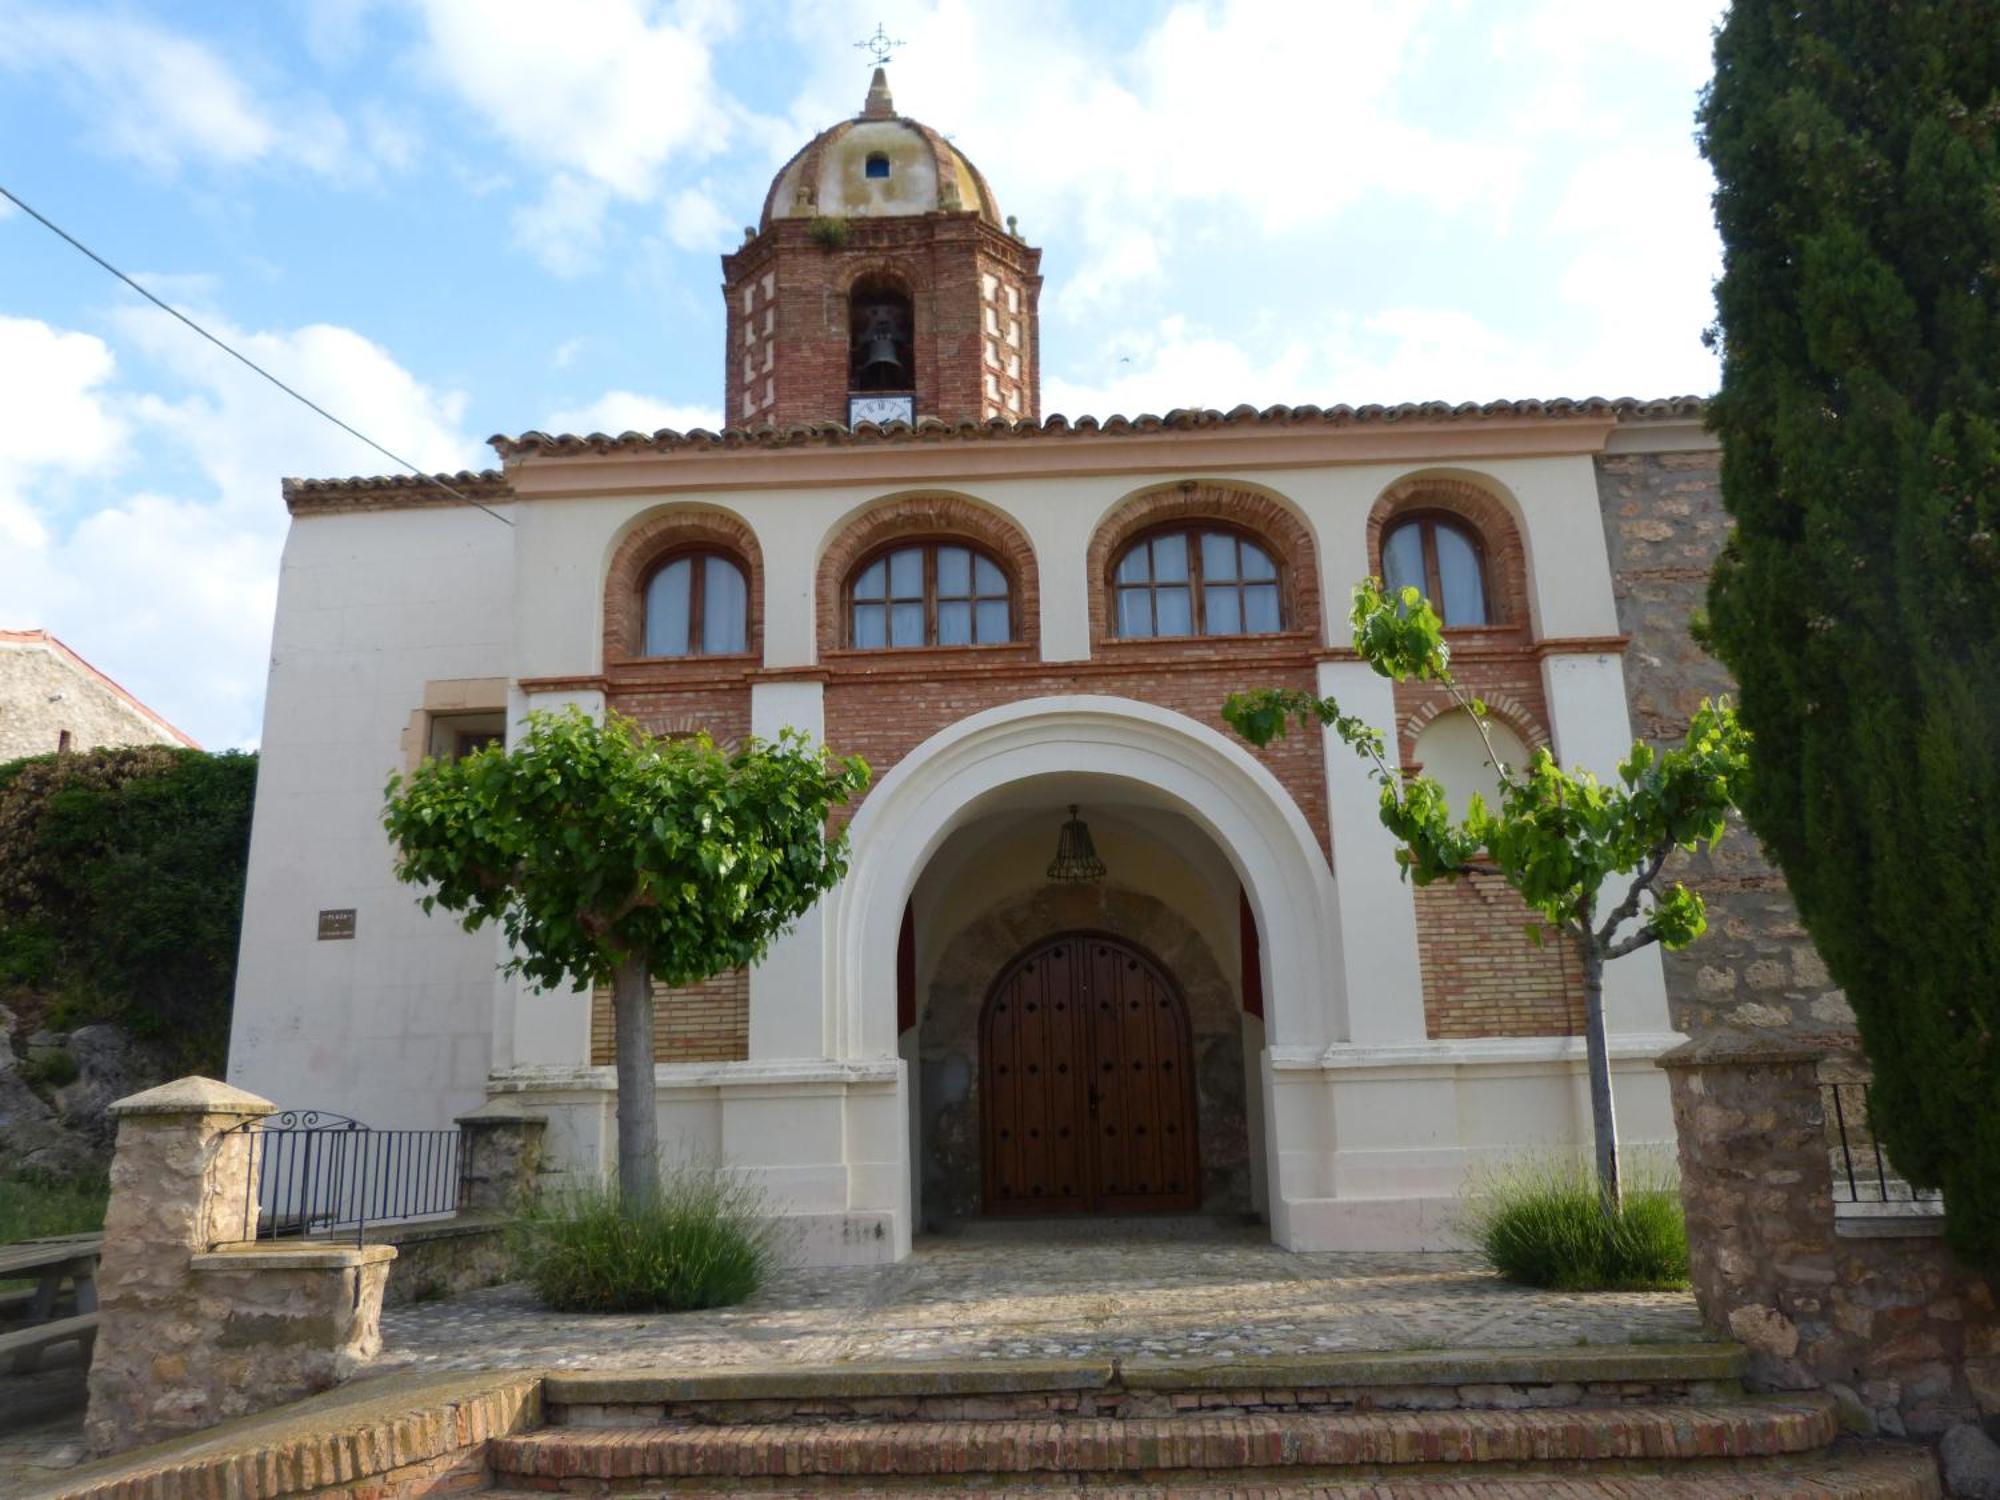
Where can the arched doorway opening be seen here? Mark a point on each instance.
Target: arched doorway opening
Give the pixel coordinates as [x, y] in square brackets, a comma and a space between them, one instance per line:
[1087, 1083]
[957, 839]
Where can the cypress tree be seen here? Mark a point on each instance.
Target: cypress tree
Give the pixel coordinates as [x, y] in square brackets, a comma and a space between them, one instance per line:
[1856, 148]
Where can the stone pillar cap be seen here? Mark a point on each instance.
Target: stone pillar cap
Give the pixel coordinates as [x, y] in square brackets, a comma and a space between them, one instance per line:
[501, 1112]
[193, 1095]
[1745, 1048]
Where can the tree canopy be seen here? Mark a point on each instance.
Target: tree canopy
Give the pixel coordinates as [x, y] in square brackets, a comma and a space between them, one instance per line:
[1856, 149]
[1558, 835]
[608, 855]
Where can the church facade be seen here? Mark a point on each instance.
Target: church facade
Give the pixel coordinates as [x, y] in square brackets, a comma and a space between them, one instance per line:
[1221, 999]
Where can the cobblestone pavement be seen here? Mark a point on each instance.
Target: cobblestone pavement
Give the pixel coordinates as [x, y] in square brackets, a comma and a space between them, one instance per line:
[1087, 1291]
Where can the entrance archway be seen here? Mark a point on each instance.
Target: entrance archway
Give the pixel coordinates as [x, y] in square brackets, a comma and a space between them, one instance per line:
[1088, 1101]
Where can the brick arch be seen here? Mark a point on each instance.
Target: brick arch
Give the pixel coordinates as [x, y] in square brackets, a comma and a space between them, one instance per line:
[1486, 515]
[652, 541]
[1503, 708]
[928, 516]
[1267, 518]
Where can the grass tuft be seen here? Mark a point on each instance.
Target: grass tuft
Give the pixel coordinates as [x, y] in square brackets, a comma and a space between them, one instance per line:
[1540, 1223]
[703, 1241]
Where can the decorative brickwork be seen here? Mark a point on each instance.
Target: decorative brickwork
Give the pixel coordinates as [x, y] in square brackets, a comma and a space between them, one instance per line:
[706, 1022]
[1287, 537]
[1664, 524]
[928, 516]
[1487, 516]
[882, 704]
[1483, 976]
[974, 290]
[650, 543]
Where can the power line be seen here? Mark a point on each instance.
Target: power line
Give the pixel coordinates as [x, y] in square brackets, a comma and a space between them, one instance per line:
[244, 359]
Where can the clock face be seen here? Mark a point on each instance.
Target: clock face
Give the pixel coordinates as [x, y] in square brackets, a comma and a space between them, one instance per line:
[881, 409]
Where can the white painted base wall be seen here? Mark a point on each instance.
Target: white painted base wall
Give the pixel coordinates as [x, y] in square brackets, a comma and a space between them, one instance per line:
[1376, 1144]
[826, 1143]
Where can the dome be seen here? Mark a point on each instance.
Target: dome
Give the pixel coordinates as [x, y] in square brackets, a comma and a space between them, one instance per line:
[878, 165]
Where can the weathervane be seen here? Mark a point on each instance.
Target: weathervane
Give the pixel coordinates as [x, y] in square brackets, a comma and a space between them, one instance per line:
[881, 45]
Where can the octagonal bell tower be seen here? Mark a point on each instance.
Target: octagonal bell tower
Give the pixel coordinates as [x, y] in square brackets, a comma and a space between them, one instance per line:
[881, 285]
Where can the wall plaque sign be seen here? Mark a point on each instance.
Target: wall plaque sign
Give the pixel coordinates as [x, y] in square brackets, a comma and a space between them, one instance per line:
[336, 922]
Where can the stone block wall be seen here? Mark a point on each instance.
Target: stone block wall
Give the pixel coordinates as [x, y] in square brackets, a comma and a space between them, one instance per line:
[194, 1326]
[1877, 1312]
[1755, 968]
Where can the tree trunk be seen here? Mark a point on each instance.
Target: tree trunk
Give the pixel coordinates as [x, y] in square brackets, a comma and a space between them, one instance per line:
[1604, 1124]
[638, 1103]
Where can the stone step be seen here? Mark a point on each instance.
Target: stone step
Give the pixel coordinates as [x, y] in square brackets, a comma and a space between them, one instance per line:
[1026, 1389]
[1191, 1443]
[1845, 1472]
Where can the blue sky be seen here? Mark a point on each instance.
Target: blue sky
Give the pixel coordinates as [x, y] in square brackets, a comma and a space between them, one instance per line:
[448, 218]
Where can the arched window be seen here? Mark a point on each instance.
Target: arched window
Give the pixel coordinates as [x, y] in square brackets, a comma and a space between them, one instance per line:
[697, 604]
[1196, 581]
[929, 594]
[1441, 560]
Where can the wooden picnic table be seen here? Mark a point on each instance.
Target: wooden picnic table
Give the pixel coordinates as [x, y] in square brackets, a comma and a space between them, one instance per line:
[49, 1263]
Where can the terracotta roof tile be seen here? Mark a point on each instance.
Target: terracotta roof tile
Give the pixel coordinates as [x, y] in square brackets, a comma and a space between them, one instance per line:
[931, 430]
[402, 491]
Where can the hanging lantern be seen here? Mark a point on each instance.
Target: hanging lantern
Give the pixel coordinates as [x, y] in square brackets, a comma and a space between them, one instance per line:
[1076, 860]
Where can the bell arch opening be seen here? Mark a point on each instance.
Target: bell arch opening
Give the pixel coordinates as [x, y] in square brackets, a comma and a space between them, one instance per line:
[881, 326]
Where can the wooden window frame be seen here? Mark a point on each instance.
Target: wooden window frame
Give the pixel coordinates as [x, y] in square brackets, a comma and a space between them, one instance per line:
[1197, 583]
[929, 545]
[1428, 521]
[697, 600]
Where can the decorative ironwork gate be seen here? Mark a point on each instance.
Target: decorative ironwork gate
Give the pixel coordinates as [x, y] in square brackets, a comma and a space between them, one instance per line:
[1087, 1084]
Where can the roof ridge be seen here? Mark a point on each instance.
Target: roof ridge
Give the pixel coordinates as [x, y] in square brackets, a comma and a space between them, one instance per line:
[931, 429]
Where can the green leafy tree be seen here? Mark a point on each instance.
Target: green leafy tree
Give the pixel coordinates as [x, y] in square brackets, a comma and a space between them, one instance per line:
[1559, 836]
[607, 856]
[1856, 149]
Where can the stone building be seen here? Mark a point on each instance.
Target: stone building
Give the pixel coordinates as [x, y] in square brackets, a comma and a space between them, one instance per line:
[1024, 623]
[52, 699]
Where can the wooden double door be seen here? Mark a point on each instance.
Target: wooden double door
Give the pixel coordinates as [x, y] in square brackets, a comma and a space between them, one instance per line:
[1087, 1100]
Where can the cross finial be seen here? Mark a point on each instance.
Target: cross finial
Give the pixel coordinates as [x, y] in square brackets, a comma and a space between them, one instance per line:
[881, 45]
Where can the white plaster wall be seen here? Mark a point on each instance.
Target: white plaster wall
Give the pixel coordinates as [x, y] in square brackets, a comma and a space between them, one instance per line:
[393, 1026]
[400, 1025]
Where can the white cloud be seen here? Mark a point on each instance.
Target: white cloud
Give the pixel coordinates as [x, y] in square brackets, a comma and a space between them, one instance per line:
[52, 389]
[628, 411]
[696, 221]
[162, 99]
[607, 90]
[171, 588]
[564, 228]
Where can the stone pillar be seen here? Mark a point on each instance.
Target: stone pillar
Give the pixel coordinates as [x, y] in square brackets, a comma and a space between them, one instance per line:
[1757, 1184]
[790, 1006]
[1874, 1310]
[500, 1153]
[191, 1334]
[1378, 913]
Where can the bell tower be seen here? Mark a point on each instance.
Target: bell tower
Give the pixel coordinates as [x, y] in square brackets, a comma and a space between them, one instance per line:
[881, 285]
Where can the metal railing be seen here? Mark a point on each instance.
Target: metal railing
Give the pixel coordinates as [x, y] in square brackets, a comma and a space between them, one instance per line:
[317, 1173]
[1861, 1169]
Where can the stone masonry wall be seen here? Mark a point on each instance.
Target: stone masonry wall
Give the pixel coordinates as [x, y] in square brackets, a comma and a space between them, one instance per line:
[46, 692]
[1664, 523]
[1876, 1312]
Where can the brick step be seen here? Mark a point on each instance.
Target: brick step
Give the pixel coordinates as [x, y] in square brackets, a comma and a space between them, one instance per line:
[1848, 1471]
[621, 1457]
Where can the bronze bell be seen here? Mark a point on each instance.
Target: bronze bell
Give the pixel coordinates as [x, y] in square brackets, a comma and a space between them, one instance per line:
[880, 367]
